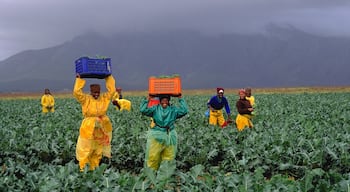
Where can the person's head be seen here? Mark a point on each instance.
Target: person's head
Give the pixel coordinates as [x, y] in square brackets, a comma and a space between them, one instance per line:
[118, 89]
[220, 92]
[47, 91]
[164, 100]
[248, 91]
[95, 90]
[241, 93]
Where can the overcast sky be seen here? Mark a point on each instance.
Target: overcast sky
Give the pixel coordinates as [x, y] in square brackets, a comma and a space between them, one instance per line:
[37, 24]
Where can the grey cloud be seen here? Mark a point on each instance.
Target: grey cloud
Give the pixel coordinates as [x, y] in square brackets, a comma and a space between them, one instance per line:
[41, 23]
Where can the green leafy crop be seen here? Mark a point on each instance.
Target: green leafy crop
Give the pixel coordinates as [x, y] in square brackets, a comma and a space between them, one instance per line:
[300, 142]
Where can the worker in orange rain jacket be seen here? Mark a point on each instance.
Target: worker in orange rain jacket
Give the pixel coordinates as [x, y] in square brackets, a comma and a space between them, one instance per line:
[245, 110]
[215, 105]
[95, 132]
[47, 102]
[120, 103]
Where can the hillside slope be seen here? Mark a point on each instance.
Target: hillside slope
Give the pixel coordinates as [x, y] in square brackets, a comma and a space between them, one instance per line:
[281, 58]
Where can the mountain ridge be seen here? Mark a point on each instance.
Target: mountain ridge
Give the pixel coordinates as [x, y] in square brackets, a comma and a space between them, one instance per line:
[285, 57]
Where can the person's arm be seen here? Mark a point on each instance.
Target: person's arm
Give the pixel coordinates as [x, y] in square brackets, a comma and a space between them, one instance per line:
[208, 103]
[43, 101]
[145, 110]
[78, 89]
[253, 101]
[183, 109]
[211, 103]
[115, 96]
[227, 108]
[110, 86]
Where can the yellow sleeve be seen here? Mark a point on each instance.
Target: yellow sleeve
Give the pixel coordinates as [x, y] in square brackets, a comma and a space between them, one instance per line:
[43, 101]
[78, 90]
[115, 96]
[110, 86]
[253, 101]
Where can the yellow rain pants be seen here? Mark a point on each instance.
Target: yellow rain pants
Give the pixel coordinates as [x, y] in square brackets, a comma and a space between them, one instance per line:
[94, 141]
[216, 117]
[243, 121]
[161, 146]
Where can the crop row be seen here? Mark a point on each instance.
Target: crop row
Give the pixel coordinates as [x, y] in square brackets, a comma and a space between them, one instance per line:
[300, 142]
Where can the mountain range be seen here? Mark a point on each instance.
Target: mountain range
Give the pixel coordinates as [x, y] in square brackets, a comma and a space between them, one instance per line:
[280, 57]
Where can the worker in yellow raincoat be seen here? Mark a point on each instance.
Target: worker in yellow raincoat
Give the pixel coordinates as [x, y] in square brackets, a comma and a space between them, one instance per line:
[250, 98]
[47, 102]
[120, 103]
[162, 138]
[95, 132]
[244, 109]
[215, 104]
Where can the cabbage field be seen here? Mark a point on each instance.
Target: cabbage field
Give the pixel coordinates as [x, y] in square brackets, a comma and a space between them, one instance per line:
[300, 142]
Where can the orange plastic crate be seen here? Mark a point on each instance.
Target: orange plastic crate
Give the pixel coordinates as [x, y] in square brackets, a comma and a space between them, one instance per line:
[171, 86]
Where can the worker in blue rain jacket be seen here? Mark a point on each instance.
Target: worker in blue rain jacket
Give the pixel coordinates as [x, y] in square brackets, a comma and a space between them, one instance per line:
[215, 105]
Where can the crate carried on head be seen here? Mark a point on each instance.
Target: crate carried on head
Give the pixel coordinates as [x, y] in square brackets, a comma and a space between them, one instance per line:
[93, 67]
[164, 85]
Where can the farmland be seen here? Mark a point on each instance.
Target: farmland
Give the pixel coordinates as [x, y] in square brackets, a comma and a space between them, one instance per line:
[300, 142]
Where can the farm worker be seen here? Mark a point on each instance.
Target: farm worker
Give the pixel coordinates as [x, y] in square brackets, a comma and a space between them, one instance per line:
[95, 132]
[244, 109]
[250, 98]
[120, 103]
[216, 104]
[47, 102]
[162, 138]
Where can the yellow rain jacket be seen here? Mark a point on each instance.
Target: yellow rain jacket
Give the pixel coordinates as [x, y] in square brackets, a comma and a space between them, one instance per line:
[124, 104]
[115, 96]
[47, 103]
[95, 132]
[251, 99]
